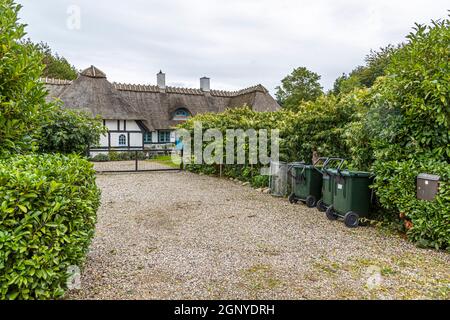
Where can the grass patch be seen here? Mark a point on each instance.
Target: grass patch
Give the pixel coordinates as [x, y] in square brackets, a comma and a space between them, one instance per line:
[167, 160]
[260, 277]
[406, 276]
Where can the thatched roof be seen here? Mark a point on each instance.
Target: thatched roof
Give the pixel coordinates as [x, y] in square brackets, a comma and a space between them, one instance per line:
[155, 106]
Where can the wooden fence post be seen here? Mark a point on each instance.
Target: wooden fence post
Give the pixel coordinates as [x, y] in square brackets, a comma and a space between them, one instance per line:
[136, 161]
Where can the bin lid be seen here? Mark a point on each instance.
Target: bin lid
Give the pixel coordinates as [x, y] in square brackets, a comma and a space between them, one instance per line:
[300, 164]
[361, 174]
[330, 171]
[426, 176]
[347, 173]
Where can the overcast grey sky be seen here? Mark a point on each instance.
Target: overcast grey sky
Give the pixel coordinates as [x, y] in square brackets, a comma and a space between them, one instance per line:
[238, 43]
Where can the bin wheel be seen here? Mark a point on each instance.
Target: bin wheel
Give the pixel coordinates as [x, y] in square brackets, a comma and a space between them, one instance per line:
[321, 206]
[331, 215]
[292, 198]
[311, 201]
[351, 219]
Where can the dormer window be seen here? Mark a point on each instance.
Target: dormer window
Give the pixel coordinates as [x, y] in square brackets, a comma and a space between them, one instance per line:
[181, 114]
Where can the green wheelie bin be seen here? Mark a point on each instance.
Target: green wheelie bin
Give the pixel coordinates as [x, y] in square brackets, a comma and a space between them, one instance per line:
[307, 182]
[329, 171]
[352, 197]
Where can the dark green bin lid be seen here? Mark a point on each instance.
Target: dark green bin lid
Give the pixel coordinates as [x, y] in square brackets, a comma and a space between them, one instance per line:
[360, 174]
[347, 173]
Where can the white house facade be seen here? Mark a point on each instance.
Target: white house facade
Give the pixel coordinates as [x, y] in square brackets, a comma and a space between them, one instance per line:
[143, 117]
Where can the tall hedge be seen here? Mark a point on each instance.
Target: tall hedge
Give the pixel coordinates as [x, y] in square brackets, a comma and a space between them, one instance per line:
[318, 127]
[22, 95]
[27, 122]
[48, 207]
[415, 99]
[238, 118]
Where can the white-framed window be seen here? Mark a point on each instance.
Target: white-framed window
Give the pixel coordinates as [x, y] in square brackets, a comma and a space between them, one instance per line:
[147, 137]
[164, 136]
[122, 140]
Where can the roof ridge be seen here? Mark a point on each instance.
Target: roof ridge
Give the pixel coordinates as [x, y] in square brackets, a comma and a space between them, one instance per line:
[135, 87]
[187, 90]
[55, 81]
[170, 89]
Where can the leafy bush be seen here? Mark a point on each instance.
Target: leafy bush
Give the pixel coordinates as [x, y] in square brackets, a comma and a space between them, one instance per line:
[396, 190]
[27, 121]
[101, 157]
[260, 181]
[22, 98]
[114, 155]
[238, 118]
[318, 127]
[48, 209]
[56, 66]
[404, 130]
[69, 131]
[365, 76]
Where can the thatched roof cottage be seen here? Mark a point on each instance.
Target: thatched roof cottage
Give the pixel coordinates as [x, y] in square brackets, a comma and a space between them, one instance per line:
[144, 115]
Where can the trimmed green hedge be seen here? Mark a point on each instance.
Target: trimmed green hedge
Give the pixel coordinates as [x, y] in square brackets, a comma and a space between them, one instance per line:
[239, 118]
[396, 189]
[48, 206]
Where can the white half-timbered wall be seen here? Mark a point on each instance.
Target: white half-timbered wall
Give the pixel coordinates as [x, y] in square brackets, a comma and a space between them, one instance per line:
[134, 136]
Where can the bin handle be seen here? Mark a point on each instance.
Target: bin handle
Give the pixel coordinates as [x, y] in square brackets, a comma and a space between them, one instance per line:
[289, 170]
[302, 163]
[340, 167]
[302, 175]
[324, 159]
[330, 160]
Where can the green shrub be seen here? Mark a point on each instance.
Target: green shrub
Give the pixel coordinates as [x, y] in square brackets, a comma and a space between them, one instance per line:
[319, 126]
[238, 118]
[414, 136]
[260, 181]
[113, 155]
[396, 190]
[48, 207]
[69, 131]
[141, 155]
[22, 95]
[124, 156]
[101, 157]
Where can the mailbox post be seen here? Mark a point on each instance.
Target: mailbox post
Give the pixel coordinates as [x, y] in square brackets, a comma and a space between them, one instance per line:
[427, 186]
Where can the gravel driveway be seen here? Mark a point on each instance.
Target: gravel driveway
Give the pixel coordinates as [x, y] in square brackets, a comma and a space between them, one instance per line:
[178, 235]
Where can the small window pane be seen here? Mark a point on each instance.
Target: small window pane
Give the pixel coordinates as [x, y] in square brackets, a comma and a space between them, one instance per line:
[147, 137]
[164, 136]
[122, 140]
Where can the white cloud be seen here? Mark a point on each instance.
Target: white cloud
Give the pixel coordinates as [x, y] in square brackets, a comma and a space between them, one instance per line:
[237, 43]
